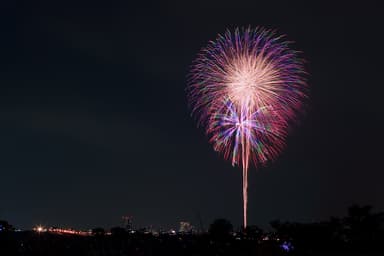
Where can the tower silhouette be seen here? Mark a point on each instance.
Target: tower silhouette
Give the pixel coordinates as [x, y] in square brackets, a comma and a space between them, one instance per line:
[127, 222]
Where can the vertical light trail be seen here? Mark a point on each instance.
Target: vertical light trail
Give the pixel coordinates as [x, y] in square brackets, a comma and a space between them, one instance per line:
[245, 158]
[245, 151]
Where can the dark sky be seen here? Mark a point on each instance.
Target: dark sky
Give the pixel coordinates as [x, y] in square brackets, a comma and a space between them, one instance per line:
[95, 123]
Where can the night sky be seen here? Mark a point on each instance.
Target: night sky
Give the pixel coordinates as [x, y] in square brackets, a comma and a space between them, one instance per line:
[95, 123]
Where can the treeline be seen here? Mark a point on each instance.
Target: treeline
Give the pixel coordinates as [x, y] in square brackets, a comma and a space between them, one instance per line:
[361, 230]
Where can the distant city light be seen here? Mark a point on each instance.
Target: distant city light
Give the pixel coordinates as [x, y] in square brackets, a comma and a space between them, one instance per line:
[287, 246]
[40, 229]
[69, 231]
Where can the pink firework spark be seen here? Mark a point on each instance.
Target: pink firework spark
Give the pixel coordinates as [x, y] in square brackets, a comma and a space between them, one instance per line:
[246, 88]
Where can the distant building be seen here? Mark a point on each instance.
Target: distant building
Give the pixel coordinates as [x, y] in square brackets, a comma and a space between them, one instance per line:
[185, 227]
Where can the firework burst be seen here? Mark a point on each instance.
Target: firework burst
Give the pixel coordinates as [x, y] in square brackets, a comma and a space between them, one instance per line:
[246, 88]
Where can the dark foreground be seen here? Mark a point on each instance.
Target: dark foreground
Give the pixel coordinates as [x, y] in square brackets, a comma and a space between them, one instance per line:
[359, 233]
[29, 243]
[32, 243]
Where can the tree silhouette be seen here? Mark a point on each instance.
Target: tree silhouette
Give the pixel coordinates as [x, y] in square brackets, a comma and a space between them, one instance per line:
[362, 227]
[253, 232]
[5, 226]
[220, 229]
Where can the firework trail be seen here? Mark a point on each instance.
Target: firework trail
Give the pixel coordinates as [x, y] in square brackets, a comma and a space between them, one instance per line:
[246, 88]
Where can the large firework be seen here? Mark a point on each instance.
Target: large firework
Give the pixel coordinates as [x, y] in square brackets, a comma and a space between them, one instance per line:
[246, 88]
